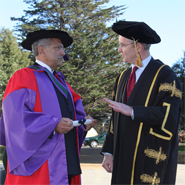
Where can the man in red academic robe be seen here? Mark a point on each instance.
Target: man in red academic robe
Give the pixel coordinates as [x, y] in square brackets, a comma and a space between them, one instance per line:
[39, 107]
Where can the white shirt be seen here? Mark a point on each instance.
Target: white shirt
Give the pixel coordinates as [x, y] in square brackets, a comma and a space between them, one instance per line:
[141, 69]
[44, 65]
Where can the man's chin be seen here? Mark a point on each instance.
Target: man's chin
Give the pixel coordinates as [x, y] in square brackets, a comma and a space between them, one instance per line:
[61, 62]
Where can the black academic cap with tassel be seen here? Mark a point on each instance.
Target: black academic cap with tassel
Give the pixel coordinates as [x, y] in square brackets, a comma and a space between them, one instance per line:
[138, 32]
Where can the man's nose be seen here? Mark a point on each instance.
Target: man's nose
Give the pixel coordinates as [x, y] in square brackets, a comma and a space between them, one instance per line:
[119, 49]
[62, 52]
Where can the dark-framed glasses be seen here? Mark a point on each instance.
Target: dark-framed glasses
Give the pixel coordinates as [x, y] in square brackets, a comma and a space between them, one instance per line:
[59, 47]
[124, 45]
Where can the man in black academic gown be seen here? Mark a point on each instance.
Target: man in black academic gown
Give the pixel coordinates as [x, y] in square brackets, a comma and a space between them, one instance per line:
[141, 146]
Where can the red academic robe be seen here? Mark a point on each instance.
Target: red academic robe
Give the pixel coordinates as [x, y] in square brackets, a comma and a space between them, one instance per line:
[27, 121]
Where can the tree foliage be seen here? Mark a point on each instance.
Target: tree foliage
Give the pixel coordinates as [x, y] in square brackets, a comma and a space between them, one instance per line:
[94, 62]
[179, 69]
[11, 58]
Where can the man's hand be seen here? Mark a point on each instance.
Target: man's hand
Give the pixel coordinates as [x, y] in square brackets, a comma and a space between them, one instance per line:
[92, 124]
[120, 107]
[64, 126]
[108, 163]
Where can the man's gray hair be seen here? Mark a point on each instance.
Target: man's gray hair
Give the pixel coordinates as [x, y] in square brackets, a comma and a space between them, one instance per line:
[146, 46]
[41, 42]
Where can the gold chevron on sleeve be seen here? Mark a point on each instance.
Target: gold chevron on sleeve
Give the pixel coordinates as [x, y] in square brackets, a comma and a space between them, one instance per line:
[163, 125]
[153, 180]
[158, 155]
[171, 88]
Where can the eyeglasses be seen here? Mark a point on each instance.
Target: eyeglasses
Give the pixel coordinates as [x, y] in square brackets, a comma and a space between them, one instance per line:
[124, 45]
[59, 47]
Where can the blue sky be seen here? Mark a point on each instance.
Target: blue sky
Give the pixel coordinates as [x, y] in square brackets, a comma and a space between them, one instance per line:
[166, 17]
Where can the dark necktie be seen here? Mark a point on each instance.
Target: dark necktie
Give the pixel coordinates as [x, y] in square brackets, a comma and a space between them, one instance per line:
[131, 82]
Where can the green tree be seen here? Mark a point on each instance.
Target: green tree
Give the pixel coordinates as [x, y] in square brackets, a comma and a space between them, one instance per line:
[94, 62]
[179, 69]
[11, 58]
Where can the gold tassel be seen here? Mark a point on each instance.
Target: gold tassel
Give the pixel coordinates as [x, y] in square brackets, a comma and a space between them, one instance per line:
[138, 60]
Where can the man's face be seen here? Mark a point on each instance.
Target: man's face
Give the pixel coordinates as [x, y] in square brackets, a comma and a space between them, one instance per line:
[127, 49]
[54, 54]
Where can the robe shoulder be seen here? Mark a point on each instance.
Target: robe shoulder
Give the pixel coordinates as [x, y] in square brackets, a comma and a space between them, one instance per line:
[75, 95]
[21, 79]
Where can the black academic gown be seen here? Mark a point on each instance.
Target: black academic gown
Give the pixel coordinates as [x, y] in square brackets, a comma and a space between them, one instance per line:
[145, 149]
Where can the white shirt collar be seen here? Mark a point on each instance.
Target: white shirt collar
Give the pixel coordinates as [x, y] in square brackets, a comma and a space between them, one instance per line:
[44, 65]
[140, 70]
[144, 63]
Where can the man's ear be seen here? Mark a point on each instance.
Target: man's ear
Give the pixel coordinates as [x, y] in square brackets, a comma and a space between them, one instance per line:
[139, 47]
[41, 50]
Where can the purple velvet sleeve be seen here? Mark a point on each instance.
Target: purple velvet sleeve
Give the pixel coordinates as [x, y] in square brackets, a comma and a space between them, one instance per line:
[26, 132]
[80, 114]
